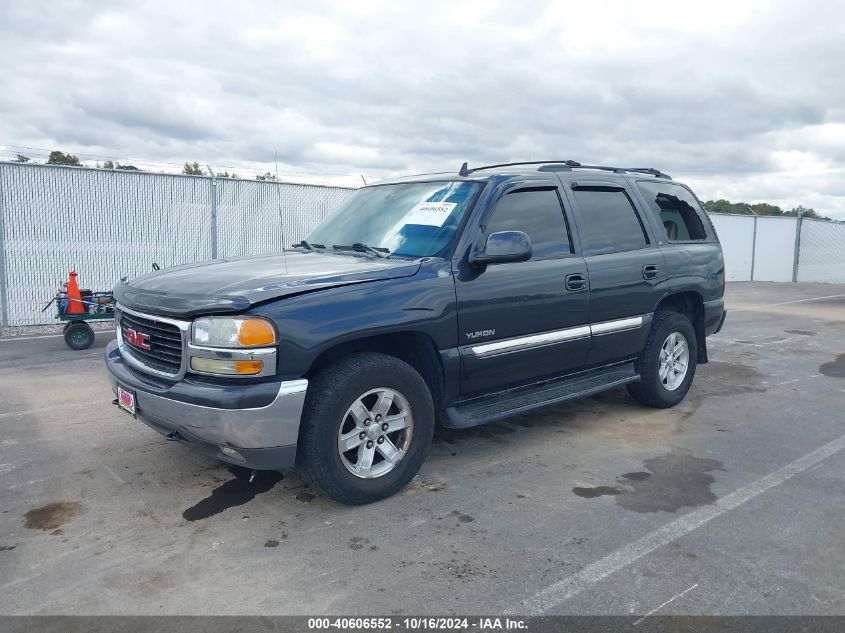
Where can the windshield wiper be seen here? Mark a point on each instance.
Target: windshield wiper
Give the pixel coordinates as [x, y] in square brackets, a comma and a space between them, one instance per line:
[363, 248]
[309, 246]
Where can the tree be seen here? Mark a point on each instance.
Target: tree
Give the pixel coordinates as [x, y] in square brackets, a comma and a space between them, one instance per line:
[127, 167]
[20, 158]
[108, 165]
[193, 169]
[267, 176]
[226, 174]
[807, 213]
[764, 208]
[60, 158]
[759, 208]
[726, 206]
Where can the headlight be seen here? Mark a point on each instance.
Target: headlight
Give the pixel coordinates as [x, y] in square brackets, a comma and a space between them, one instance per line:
[233, 332]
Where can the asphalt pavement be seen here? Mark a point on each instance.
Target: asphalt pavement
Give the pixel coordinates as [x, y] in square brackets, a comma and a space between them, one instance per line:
[731, 503]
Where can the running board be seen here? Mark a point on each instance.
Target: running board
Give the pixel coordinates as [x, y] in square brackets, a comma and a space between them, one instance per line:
[516, 401]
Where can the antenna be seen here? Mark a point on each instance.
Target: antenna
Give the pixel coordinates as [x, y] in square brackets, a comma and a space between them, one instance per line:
[281, 219]
[364, 179]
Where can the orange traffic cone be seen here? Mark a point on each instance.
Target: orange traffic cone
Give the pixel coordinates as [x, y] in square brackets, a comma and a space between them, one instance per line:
[74, 299]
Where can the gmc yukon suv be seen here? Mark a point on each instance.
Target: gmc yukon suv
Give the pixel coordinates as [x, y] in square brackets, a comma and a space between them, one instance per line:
[454, 299]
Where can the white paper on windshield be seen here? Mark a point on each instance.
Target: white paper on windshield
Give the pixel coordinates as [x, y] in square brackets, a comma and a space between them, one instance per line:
[430, 213]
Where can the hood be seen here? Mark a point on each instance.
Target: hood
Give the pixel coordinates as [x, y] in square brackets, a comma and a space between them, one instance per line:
[233, 285]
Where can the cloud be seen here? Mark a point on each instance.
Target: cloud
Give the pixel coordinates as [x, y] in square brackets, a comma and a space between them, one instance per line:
[741, 99]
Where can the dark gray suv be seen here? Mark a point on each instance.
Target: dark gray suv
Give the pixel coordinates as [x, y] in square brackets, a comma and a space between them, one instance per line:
[452, 298]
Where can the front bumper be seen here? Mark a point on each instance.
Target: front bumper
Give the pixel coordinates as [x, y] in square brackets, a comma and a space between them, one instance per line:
[264, 437]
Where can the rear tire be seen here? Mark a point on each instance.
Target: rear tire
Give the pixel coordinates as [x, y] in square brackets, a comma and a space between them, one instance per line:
[348, 405]
[79, 335]
[667, 362]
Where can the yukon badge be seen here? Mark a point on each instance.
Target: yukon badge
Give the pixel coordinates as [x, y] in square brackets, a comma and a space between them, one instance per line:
[474, 335]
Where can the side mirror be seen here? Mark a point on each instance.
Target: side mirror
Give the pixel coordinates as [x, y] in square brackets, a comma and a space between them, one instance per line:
[503, 247]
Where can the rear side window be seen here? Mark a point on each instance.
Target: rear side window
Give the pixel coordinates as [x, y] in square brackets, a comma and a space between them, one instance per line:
[676, 208]
[537, 213]
[611, 224]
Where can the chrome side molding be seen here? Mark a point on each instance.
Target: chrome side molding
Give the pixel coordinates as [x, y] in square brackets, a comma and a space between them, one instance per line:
[531, 341]
[619, 325]
[528, 342]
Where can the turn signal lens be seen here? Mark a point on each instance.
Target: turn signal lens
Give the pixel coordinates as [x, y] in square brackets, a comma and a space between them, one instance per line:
[256, 332]
[248, 367]
[227, 367]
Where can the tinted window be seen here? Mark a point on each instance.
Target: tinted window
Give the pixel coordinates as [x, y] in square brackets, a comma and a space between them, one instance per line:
[676, 208]
[538, 214]
[611, 224]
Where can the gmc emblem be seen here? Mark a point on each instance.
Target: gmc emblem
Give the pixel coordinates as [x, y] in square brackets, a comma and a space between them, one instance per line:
[137, 339]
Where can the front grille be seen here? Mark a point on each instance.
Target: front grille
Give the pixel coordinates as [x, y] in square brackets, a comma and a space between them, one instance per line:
[165, 342]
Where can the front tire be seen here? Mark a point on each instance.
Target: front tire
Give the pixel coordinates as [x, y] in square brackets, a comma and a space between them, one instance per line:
[366, 428]
[667, 362]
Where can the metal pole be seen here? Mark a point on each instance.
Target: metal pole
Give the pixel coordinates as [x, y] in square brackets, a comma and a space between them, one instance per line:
[798, 222]
[4, 292]
[753, 245]
[213, 213]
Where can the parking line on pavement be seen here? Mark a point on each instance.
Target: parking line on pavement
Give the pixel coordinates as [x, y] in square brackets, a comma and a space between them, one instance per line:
[26, 338]
[560, 591]
[753, 307]
[785, 303]
[672, 599]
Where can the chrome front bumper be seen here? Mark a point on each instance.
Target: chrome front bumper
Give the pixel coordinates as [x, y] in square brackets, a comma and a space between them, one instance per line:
[268, 434]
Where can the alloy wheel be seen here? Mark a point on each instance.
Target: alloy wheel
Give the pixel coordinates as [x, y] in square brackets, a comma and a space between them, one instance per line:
[674, 361]
[375, 433]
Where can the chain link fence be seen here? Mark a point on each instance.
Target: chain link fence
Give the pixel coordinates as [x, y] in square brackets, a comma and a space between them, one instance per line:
[821, 251]
[781, 248]
[109, 224]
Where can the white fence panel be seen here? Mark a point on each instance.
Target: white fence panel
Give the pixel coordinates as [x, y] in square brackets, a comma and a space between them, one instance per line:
[775, 252]
[106, 224]
[822, 251]
[736, 233]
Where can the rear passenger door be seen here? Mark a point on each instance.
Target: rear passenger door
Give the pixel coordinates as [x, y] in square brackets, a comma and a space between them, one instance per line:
[685, 235]
[627, 271]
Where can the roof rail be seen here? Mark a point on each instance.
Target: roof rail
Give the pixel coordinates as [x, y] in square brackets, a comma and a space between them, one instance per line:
[465, 170]
[622, 170]
[649, 170]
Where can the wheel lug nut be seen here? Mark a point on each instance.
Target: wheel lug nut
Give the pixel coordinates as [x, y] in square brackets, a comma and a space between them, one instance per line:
[370, 444]
[385, 426]
[362, 435]
[381, 440]
[378, 418]
[367, 422]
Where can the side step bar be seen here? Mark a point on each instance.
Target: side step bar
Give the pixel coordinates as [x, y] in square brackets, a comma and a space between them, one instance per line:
[508, 403]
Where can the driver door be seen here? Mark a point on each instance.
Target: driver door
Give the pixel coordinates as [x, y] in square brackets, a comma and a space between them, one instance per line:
[522, 322]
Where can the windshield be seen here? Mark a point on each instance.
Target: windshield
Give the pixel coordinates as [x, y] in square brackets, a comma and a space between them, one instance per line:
[417, 219]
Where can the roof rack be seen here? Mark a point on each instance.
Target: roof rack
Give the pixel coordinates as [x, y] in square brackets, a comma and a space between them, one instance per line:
[465, 170]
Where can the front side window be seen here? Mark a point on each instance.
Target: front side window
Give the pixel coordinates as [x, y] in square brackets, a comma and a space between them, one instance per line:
[418, 219]
[538, 214]
[676, 208]
[611, 224]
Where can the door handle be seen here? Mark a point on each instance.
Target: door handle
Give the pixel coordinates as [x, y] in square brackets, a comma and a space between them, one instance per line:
[576, 281]
[650, 271]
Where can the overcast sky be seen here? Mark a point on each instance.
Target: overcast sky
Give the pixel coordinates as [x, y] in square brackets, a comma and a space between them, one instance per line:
[743, 100]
